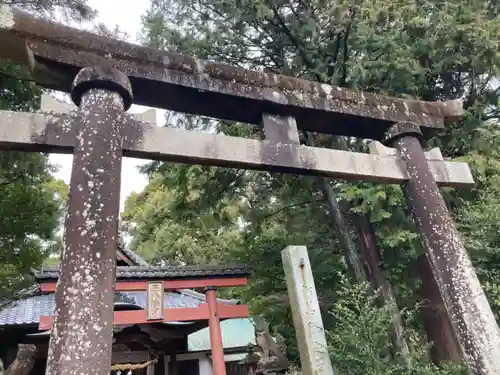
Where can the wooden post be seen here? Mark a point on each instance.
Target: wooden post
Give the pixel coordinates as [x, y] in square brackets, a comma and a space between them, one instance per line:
[173, 365]
[307, 320]
[219, 365]
[159, 368]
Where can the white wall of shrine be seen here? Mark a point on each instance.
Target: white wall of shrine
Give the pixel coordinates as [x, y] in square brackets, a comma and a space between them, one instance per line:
[205, 365]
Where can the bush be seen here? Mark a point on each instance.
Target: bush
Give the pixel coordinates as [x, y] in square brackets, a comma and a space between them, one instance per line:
[360, 342]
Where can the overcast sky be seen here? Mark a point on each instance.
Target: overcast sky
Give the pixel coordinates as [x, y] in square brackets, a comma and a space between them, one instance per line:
[128, 18]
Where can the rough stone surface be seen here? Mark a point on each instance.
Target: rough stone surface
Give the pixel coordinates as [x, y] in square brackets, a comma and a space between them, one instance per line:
[400, 129]
[143, 141]
[280, 129]
[311, 340]
[53, 105]
[186, 84]
[6, 17]
[81, 337]
[458, 284]
[52, 132]
[105, 78]
[377, 148]
[37, 132]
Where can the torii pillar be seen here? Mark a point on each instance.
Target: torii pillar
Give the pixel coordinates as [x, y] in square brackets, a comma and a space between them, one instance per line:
[465, 300]
[81, 337]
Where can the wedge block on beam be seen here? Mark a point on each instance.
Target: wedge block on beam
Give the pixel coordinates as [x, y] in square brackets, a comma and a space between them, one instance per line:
[207, 88]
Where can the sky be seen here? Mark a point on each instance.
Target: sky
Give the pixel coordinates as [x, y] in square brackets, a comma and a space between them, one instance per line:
[128, 18]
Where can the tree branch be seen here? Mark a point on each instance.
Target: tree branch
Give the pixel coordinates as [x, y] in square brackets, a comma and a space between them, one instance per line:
[292, 206]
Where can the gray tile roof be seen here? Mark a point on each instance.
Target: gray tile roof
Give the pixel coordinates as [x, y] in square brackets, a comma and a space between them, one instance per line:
[138, 261]
[29, 310]
[165, 272]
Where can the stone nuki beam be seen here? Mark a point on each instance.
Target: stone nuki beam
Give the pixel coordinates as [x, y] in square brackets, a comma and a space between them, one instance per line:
[55, 133]
[171, 81]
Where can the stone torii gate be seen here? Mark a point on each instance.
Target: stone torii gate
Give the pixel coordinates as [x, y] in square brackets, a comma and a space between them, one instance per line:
[105, 76]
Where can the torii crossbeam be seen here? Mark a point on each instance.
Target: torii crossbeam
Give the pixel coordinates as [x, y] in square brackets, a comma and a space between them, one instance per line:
[101, 74]
[185, 84]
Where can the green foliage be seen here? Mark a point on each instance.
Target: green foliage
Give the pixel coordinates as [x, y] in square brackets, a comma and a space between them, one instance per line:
[478, 215]
[31, 200]
[167, 226]
[29, 215]
[360, 342]
[71, 9]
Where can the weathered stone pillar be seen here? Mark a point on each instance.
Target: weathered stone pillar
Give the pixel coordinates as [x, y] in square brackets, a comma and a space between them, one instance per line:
[458, 284]
[436, 320]
[81, 336]
[311, 338]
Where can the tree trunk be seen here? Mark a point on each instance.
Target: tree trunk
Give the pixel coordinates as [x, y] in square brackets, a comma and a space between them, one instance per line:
[24, 361]
[370, 255]
[347, 245]
[342, 233]
[378, 277]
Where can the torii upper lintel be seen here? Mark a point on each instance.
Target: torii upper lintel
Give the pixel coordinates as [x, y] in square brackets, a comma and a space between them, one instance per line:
[172, 81]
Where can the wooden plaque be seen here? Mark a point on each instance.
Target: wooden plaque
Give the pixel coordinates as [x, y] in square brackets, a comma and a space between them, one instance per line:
[155, 300]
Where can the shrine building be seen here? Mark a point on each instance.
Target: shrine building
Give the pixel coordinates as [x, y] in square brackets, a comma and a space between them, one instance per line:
[167, 320]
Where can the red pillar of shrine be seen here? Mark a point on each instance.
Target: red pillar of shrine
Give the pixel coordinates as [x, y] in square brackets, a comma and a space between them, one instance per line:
[219, 365]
